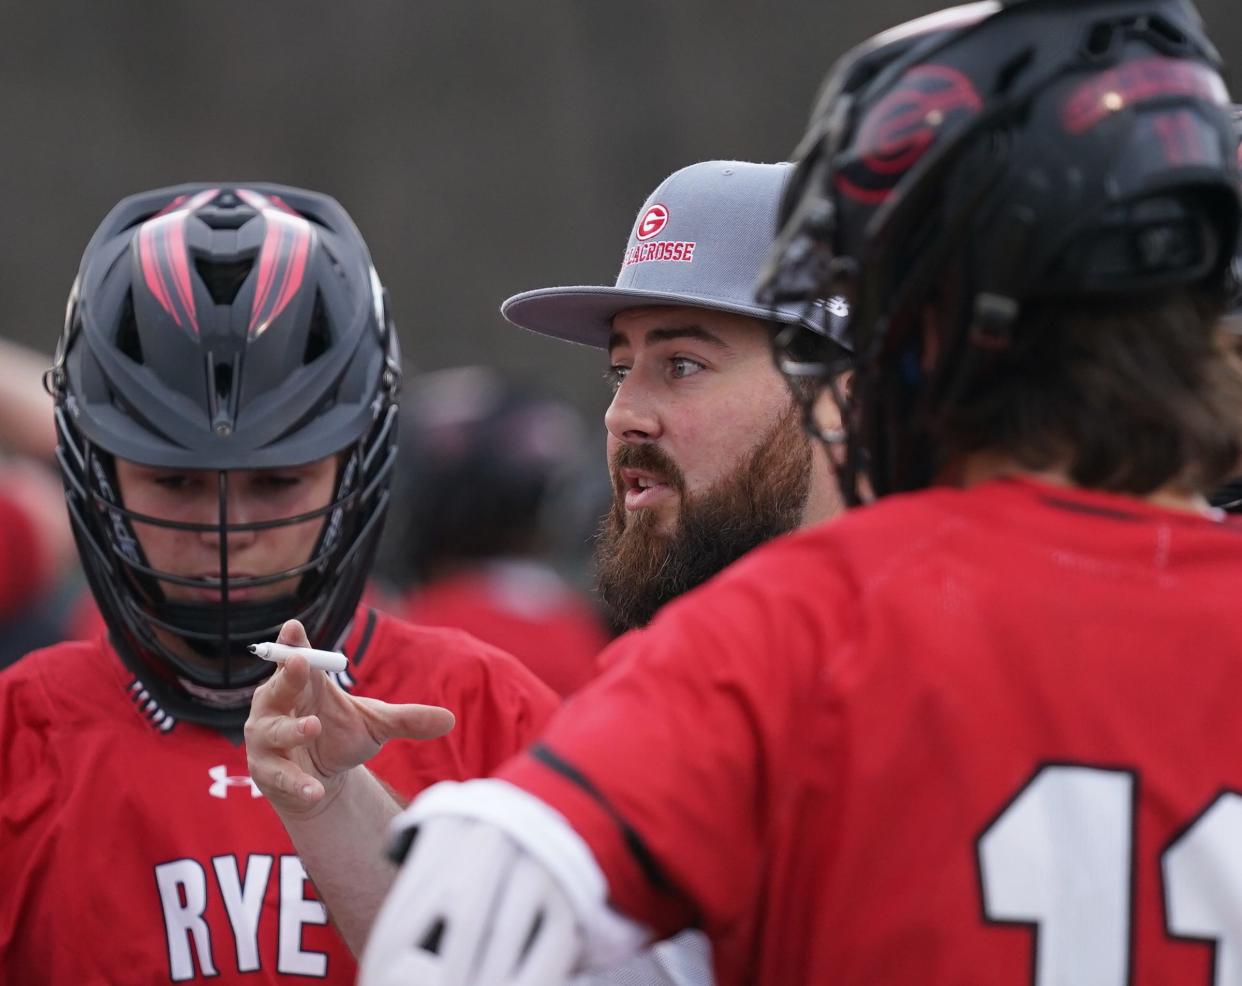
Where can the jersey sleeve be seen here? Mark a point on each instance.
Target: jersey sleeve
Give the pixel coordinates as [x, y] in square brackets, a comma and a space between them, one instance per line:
[666, 765]
[516, 704]
[500, 706]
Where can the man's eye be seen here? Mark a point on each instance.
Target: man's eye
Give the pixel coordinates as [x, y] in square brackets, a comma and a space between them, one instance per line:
[276, 482]
[172, 482]
[684, 367]
[614, 375]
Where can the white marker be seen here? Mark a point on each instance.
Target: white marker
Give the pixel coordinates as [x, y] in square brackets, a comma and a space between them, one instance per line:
[325, 660]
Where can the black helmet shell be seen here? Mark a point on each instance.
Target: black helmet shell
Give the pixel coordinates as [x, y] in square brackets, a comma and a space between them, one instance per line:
[224, 326]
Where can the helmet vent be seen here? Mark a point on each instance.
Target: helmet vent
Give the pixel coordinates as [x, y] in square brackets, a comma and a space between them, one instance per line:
[1161, 34]
[1168, 36]
[1013, 69]
[1100, 40]
[223, 373]
[227, 211]
[127, 339]
[223, 279]
[317, 336]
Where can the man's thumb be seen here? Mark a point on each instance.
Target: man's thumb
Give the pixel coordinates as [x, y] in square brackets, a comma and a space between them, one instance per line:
[293, 634]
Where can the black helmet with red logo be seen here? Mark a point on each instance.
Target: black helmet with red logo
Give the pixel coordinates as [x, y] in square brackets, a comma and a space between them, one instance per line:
[990, 156]
[224, 327]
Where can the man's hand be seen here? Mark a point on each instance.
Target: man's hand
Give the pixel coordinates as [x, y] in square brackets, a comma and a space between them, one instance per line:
[304, 732]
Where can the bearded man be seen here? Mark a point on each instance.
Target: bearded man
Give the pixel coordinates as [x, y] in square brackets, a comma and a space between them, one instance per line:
[706, 448]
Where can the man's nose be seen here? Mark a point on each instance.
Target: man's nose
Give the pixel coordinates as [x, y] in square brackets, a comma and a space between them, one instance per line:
[236, 511]
[633, 416]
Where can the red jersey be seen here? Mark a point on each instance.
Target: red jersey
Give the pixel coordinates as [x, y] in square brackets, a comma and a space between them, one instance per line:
[136, 849]
[961, 738]
[524, 609]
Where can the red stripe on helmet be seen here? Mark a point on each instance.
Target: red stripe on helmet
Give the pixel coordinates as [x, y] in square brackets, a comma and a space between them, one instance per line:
[148, 250]
[267, 272]
[282, 259]
[171, 207]
[179, 267]
[295, 268]
[165, 260]
[280, 203]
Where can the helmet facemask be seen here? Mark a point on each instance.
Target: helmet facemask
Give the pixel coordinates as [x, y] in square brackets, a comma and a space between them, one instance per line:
[301, 364]
[205, 644]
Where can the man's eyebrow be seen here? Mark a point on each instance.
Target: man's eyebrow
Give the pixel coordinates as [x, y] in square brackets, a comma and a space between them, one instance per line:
[672, 332]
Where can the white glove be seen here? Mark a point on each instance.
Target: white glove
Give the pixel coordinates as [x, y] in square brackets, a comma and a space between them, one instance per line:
[471, 907]
[498, 889]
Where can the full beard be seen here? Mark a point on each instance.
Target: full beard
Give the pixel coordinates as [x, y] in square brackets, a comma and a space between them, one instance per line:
[639, 569]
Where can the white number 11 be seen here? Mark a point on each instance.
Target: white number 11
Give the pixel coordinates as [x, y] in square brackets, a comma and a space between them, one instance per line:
[1060, 858]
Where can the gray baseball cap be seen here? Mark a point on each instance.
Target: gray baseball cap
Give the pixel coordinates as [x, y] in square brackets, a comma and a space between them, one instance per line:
[701, 240]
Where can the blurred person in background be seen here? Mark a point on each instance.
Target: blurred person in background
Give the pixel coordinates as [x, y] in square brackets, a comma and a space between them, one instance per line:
[37, 553]
[480, 465]
[226, 403]
[27, 427]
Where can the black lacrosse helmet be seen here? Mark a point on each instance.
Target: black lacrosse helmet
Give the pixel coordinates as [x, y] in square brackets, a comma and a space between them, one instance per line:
[222, 326]
[985, 157]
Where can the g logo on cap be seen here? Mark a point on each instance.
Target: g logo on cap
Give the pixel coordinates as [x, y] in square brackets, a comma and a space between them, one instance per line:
[652, 221]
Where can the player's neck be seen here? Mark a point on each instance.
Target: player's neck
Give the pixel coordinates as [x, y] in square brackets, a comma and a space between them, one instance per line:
[981, 467]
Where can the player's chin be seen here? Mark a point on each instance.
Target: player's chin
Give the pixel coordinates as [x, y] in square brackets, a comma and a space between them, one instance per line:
[214, 597]
[652, 522]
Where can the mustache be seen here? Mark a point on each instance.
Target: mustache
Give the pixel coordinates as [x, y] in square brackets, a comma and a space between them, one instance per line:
[639, 570]
[649, 458]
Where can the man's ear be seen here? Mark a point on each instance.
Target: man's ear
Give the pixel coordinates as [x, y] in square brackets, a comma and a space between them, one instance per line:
[826, 412]
[845, 382]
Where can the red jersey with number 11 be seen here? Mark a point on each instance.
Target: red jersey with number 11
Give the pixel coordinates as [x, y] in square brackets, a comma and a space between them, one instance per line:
[988, 737]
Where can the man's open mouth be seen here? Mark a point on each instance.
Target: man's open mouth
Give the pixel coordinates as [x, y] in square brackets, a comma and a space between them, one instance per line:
[642, 488]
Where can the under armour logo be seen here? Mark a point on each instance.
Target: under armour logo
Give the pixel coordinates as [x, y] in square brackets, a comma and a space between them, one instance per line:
[222, 780]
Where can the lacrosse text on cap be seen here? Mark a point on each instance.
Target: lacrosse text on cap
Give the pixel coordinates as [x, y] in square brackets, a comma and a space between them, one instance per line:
[651, 223]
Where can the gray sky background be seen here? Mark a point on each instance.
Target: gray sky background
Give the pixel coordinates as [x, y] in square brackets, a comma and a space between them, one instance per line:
[484, 148]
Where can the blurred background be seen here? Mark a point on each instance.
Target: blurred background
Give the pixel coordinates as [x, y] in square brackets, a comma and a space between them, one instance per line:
[484, 148]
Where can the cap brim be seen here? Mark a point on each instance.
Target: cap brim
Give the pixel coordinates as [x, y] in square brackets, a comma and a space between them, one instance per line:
[584, 314]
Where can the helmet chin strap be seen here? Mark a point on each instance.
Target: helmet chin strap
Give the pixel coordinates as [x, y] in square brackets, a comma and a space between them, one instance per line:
[247, 623]
[220, 698]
